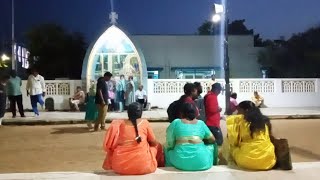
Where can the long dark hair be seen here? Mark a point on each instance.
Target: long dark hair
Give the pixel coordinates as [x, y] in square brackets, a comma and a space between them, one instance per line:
[134, 113]
[253, 115]
[188, 111]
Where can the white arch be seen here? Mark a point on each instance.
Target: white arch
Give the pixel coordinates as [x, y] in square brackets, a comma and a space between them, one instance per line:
[112, 39]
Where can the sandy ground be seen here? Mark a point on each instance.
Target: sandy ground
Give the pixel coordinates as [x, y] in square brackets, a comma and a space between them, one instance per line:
[73, 148]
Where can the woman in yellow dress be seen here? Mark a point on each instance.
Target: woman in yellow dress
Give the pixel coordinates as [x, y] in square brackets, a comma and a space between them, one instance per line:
[249, 138]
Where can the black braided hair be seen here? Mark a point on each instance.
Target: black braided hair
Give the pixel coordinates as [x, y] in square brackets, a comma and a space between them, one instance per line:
[134, 113]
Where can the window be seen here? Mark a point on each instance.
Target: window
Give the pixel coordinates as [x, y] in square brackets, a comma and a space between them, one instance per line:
[153, 74]
[194, 73]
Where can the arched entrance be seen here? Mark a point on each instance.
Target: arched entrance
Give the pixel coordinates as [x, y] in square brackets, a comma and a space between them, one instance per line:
[114, 52]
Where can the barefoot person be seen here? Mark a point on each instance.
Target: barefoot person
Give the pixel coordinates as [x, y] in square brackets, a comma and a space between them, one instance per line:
[36, 88]
[185, 148]
[131, 145]
[249, 138]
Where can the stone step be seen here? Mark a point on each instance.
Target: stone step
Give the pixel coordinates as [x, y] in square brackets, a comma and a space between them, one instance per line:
[303, 171]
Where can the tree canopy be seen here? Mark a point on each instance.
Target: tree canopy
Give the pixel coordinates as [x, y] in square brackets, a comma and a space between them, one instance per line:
[56, 52]
[236, 27]
[297, 57]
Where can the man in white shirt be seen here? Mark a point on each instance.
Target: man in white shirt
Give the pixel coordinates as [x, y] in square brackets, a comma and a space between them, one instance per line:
[36, 88]
[141, 96]
[77, 99]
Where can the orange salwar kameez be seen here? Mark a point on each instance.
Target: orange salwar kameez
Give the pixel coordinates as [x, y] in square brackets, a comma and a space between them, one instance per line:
[125, 156]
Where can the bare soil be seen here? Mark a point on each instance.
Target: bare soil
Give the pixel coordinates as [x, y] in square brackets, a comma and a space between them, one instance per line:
[74, 148]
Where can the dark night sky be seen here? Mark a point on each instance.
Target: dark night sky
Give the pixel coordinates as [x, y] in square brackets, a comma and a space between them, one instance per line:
[270, 18]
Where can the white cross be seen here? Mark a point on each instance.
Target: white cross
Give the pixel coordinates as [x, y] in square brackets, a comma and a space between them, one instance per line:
[113, 16]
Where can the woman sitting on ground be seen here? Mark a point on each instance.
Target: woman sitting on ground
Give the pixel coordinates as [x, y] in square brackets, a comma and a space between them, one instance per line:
[131, 146]
[190, 143]
[249, 138]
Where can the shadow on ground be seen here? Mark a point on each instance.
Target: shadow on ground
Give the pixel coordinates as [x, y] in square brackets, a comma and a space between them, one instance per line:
[305, 153]
[70, 130]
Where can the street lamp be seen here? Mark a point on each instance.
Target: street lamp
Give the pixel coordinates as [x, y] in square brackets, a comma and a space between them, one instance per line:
[4, 58]
[220, 12]
[216, 18]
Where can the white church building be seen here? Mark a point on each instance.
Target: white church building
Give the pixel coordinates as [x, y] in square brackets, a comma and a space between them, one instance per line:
[169, 56]
[164, 63]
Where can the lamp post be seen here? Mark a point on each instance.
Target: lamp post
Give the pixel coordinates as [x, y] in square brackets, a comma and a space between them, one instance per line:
[14, 64]
[220, 12]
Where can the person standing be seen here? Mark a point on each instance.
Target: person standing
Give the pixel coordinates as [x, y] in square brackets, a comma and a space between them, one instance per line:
[36, 88]
[112, 96]
[3, 96]
[130, 98]
[102, 100]
[141, 96]
[91, 108]
[213, 110]
[14, 94]
[121, 89]
[199, 102]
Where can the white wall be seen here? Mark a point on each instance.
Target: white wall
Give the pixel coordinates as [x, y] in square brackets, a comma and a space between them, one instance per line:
[276, 92]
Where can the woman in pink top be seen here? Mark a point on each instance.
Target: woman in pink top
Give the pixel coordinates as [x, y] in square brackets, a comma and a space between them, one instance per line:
[111, 93]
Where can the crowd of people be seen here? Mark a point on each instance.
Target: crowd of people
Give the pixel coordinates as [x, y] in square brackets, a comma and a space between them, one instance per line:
[117, 95]
[194, 140]
[109, 95]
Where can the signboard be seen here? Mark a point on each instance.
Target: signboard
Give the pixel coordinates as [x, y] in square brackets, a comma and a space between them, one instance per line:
[21, 55]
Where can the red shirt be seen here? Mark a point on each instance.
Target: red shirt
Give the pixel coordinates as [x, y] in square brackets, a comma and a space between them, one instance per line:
[212, 109]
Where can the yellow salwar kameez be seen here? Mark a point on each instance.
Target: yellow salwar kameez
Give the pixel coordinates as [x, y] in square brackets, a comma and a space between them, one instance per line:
[254, 152]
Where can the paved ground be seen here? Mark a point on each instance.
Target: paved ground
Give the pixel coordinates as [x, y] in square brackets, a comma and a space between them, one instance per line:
[154, 115]
[55, 148]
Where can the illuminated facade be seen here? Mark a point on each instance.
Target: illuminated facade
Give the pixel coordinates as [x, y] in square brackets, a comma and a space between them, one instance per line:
[114, 52]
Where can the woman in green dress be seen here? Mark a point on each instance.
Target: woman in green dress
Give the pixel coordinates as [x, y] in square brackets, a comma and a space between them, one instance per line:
[190, 144]
[91, 107]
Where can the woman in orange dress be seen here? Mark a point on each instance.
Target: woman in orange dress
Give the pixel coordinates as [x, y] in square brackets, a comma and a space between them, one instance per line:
[131, 146]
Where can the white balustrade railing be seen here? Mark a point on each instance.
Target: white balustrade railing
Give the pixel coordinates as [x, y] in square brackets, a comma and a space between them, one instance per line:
[59, 90]
[161, 92]
[276, 92]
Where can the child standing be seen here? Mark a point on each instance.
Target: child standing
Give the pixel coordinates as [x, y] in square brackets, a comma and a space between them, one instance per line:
[3, 96]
